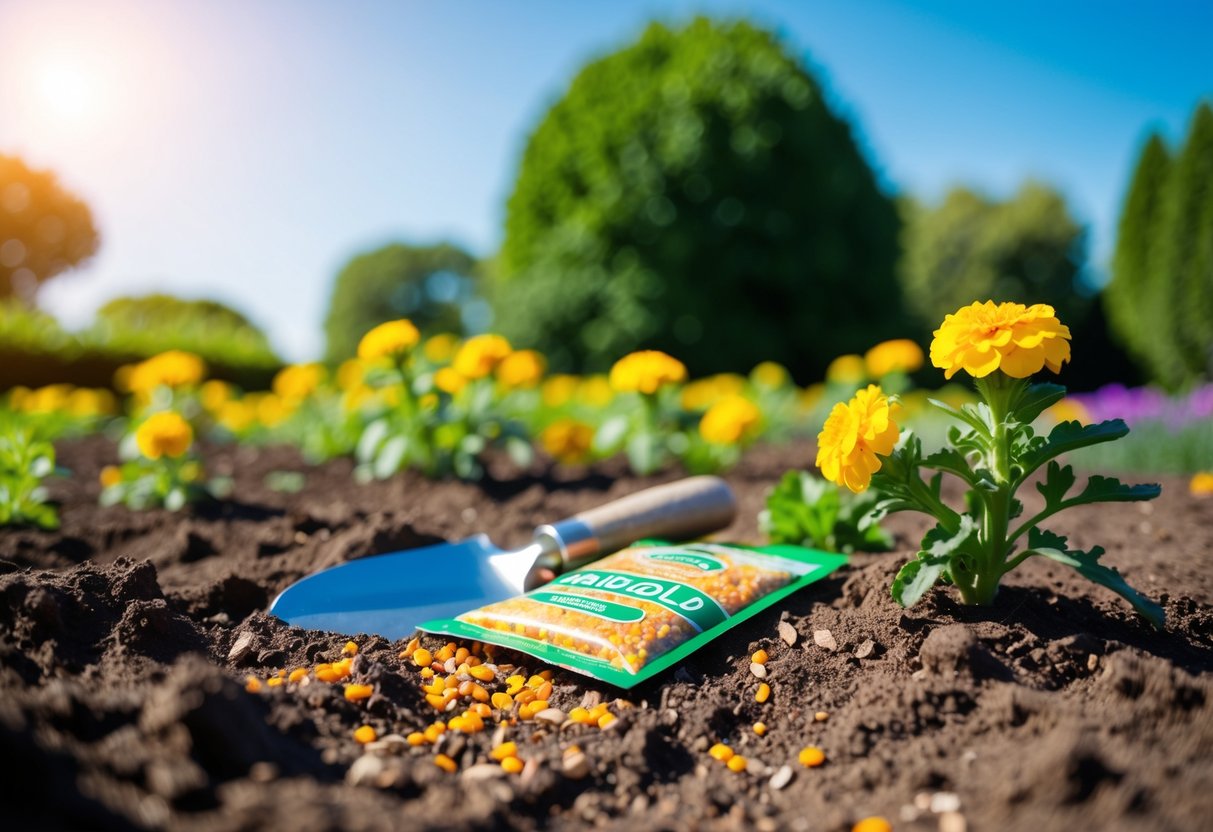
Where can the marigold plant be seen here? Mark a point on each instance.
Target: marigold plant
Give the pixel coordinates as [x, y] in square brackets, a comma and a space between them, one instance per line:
[25, 460]
[992, 449]
[645, 433]
[160, 469]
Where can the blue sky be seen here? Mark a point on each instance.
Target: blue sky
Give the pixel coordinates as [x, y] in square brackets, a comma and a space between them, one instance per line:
[244, 150]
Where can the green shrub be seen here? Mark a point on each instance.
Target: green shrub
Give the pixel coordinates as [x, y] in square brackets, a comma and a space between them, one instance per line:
[694, 193]
[45, 230]
[429, 285]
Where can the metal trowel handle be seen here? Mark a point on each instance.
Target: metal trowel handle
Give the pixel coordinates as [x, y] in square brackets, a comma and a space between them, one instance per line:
[679, 510]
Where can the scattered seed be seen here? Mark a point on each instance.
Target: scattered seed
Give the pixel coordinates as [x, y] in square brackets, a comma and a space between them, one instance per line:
[422, 657]
[873, 824]
[297, 674]
[811, 757]
[821, 716]
[825, 639]
[241, 648]
[512, 765]
[354, 693]
[760, 657]
[781, 778]
[350, 649]
[416, 738]
[252, 684]
[788, 633]
[758, 670]
[410, 648]
[760, 728]
[763, 694]
[575, 765]
[953, 822]
[606, 721]
[446, 763]
[553, 716]
[736, 763]
[365, 734]
[721, 752]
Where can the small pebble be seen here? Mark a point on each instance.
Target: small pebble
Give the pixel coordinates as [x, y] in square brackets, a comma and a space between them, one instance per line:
[781, 778]
[1092, 662]
[365, 770]
[575, 766]
[758, 670]
[241, 648]
[863, 650]
[942, 802]
[552, 716]
[952, 822]
[788, 633]
[482, 771]
[824, 639]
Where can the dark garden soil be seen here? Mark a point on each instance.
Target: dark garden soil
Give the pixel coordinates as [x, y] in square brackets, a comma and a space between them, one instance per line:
[125, 639]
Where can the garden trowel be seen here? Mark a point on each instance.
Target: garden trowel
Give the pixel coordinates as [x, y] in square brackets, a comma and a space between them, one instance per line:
[391, 594]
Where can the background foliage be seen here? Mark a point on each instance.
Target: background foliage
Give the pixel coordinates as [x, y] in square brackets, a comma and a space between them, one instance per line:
[430, 285]
[694, 192]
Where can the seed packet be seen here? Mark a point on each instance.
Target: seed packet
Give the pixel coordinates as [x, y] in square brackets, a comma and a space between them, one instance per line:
[630, 615]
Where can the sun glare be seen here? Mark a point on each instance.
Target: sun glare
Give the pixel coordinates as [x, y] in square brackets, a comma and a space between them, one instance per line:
[67, 89]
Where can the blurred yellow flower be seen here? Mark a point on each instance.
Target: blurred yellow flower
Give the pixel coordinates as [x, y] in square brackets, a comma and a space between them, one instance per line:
[388, 340]
[1201, 484]
[901, 355]
[567, 440]
[770, 375]
[440, 347]
[355, 397]
[87, 402]
[480, 355]
[236, 415]
[298, 381]
[558, 390]
[855, 432]
[595, 391]
[111, 475]
[214, 394]
[810, 397]
[524, 368]
[646, 372]
[164, 434]
[449, 381]
[730, 421]
[1069, 410]
[847, 369]
[174, 368]
[53, 398]
[1016, 339]
[350, 373]
[272, 410]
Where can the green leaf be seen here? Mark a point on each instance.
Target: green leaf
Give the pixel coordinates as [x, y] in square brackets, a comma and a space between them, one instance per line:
[952, 461]
[610, 435]
[1057, 482]
[390, 458]
[1087, 564]
[938, 550]
[965, 415]
[1070, 436]
[1111, 490]
[1035, 400]
[372, 437]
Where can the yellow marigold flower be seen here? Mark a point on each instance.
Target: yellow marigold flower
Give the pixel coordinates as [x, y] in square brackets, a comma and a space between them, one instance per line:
[111, 475]
[901, 355]
[567, 440]
[854, 434]
[480, 355]
[595, 391]
[272, 410]
[164, 434]
[847, 369]
[440, 347]
[214, 394]
[731, 420]
[809, 397]
[388, 339]
[298, 381]
[523, 368]
[174, 368]
[558, 390]
[1016, 339]
[86, 402]
[350, 373]
[449, 381]
[236, 415]
[646, 372]
[770, 375]
[1201, 484]
[53, 398]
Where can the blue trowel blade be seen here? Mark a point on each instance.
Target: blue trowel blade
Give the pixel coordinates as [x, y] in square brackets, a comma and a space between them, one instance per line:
[390, 594]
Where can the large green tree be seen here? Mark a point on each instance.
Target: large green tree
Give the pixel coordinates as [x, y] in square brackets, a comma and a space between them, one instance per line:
[1028, 249]
[44, 229]
[695, 192]
[431, 285]
[1135, 294]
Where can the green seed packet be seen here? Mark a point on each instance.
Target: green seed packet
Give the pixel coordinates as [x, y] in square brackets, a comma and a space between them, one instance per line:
[633, 614]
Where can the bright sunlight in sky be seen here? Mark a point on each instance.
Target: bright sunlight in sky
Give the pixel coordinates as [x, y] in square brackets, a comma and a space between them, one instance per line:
[244, 151]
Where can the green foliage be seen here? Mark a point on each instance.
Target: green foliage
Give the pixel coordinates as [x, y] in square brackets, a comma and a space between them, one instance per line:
[165, 482]
[970, 247]
[994, 451]
[154, 323]
[44, 229]
[24, 462]
[429, 285]
[1135, 296]
[694, 193]
[805, 510]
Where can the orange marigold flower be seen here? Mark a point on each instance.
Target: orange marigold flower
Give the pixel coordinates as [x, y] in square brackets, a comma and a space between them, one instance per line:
[646, 371]
[1201, 484]
[731, 420]
[1016, 339]
[480, 355]
[388, 339]
[174, 368]
[164, 434]
[901, 355]
[111, 475]
[567, 440]
[524, 368]
[853, 436]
